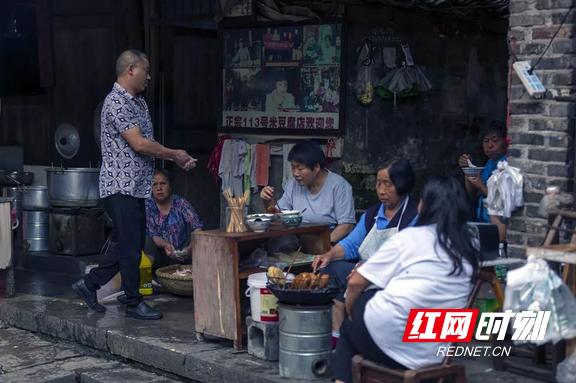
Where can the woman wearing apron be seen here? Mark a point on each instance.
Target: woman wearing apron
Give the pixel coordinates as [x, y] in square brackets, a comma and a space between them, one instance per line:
[396, 211]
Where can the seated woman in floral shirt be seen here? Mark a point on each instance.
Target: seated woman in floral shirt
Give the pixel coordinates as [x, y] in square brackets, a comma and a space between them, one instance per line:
[169, 221]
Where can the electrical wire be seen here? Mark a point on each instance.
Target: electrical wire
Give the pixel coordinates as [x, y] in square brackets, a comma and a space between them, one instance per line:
[551, 40]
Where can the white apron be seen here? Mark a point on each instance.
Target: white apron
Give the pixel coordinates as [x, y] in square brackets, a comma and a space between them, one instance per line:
[376, 237]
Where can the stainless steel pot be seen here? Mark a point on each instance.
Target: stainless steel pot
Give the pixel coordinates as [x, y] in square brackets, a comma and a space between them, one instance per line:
[34, 198]
[74, 187]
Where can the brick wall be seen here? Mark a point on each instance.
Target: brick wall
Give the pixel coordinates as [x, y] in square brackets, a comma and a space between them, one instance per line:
[541, 130]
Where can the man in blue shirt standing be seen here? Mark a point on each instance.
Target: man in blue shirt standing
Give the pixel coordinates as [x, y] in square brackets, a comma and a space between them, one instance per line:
[128, 152]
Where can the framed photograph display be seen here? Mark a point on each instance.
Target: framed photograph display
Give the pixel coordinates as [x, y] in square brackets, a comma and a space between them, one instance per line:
[241, 8]
[282, 79]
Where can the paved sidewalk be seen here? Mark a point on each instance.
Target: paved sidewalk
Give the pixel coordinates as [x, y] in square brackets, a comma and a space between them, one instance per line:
[28, 357]
[45, 304]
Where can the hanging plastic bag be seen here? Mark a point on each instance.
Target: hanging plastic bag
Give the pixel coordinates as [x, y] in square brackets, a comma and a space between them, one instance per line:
[406, 81]
[566, 371]
[534, 287]
[363, 85]
[549, 201]
[505, 190]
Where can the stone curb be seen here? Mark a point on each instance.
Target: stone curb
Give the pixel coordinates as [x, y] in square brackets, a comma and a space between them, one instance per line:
[203, 362]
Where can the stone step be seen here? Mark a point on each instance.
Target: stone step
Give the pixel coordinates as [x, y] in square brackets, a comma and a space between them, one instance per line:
[27, 357]
[170, 346]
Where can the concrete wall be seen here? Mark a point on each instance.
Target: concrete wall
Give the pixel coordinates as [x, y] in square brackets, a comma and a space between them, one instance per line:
[466, 61]
[541, 130]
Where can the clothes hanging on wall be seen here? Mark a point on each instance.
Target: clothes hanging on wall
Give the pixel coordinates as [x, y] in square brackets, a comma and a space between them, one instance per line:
[215, 156]
[262, 164]
[239, 166]
[253, 162]
[250, 171]
[228, 168]
[286, 166]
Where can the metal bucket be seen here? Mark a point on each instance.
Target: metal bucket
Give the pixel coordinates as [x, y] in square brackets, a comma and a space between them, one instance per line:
[35, 230]
[305, 341]
[34, 198]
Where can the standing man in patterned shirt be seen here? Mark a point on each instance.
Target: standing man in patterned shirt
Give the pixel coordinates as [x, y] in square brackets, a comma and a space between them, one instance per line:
[128, 152]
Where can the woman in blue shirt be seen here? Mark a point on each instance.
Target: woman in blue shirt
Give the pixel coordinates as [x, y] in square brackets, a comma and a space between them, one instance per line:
[396, 211]
[494, 145]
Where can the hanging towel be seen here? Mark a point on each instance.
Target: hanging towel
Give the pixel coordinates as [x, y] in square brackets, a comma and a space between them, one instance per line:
[224, 168]
[231, 164]
[287, 168]
[215, 157]
[247, 165]
[253, 184]
[262, 164]
[241, 152]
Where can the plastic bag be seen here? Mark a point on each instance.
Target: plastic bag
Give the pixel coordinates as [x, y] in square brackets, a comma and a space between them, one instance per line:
[406, 81]
[363, 86]
[534, 287]
[505, 192]
[549, 201]
[566, 371]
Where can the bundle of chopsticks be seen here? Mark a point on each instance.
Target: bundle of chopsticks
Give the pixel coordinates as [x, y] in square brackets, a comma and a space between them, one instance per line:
[236, 205]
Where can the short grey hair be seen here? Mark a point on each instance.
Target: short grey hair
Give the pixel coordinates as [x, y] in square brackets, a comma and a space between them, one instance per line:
[127, 58]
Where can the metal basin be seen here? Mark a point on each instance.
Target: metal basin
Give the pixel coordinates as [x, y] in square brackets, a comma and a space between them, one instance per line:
[74, 187]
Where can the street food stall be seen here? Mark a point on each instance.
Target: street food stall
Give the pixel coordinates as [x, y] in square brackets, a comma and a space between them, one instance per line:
[218, 275]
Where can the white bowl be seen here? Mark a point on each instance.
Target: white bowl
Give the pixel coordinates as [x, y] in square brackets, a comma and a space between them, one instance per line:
[290, 212]
[263, 216]
[258, 225]
[472, 171]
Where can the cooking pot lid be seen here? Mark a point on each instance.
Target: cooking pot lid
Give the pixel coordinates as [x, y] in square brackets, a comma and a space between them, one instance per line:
[67, 140]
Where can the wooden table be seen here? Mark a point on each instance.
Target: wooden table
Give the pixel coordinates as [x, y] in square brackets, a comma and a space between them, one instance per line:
[217, 276]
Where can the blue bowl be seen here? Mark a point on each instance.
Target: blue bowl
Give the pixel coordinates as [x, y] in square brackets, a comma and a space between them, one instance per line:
[291, 220]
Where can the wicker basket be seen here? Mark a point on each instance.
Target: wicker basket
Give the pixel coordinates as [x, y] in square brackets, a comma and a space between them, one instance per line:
[179, 285]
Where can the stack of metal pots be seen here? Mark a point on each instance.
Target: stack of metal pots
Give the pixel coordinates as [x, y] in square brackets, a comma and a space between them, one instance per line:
[34, 203]
[77, 224]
